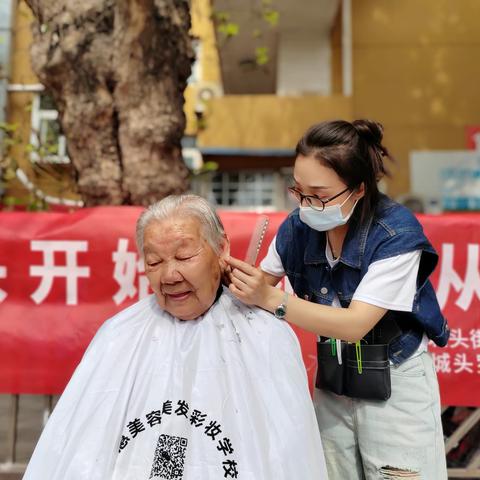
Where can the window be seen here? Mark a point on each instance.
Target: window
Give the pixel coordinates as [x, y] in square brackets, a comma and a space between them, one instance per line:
[48, 142]
[244, 189]
[264, 190]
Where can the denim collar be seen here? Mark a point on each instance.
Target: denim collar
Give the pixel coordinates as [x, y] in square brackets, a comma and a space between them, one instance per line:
[353, 246]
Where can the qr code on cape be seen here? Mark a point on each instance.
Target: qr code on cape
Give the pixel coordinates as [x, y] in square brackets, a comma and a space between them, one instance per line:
[169, 458]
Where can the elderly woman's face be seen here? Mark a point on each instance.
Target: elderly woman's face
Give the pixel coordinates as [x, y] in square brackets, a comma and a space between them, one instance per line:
[183, 269]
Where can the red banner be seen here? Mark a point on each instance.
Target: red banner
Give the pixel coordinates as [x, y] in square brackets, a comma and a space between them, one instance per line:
[63, 274]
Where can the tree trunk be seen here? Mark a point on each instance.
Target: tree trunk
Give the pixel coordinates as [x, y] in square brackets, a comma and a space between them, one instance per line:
[117, 70]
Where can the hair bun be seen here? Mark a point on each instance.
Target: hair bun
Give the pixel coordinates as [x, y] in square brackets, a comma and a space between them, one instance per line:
[370, 131]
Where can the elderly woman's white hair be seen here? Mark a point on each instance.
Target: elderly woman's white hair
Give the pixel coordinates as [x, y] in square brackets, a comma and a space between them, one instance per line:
[181, 206]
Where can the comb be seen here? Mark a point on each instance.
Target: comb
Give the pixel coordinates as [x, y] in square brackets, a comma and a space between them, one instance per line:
[256, 239]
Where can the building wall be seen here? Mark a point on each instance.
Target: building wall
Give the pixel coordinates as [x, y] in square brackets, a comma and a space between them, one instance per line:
[303, 63]
[336, 47]
[19, 103]
[416, 69]
[209, 69]
[267, 121]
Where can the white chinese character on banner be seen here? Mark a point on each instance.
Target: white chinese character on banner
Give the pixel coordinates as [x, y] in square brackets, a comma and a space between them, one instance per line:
[127, 265]
[48, 271]
[462, 364]
[3, 274]
[475, 338]
[478, 364]
[442, 362]
[457, 339]
[468, 288]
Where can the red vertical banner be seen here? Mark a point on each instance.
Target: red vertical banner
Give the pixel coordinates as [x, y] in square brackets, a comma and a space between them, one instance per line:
[472, 137]
[456, 237]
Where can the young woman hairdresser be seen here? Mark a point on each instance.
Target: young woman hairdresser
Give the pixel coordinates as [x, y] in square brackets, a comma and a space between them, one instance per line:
[359, 265]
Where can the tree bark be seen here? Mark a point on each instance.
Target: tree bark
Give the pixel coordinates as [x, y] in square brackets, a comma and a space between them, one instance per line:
[117, 70]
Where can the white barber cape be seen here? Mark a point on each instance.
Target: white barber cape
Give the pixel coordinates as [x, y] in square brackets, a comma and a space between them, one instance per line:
[224, 396]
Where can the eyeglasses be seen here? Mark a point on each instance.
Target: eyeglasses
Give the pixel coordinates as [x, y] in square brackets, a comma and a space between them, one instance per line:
[313, 201]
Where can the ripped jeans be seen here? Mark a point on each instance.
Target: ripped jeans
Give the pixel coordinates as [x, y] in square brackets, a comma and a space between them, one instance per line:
[397, 439]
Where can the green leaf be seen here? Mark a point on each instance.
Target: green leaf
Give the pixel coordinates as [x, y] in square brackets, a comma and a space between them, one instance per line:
[221, 17]
[9, 174]
[229, 29]
[10, 201]
[261, 55]
[8, 142]
[9, 127]
[210, 166]
[36, 205]
[271, 17]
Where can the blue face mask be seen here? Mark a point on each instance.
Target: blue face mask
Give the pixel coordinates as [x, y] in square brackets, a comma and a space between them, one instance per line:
[328, 219]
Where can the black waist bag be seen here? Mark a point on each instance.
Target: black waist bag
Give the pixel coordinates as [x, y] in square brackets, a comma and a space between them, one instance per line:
[372, 380]
[330, 375]
[368, 379]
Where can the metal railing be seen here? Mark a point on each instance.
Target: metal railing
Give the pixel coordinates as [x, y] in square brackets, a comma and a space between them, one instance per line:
[11, 436]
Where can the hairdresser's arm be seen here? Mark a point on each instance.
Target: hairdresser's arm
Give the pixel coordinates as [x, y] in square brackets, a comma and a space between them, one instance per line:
[251, 286]
[270, 279]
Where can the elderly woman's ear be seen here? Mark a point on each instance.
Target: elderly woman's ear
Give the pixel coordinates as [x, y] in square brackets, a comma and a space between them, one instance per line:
[224, 266]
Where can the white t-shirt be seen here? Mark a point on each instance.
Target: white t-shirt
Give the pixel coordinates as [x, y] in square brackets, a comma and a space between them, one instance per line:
[390, 283]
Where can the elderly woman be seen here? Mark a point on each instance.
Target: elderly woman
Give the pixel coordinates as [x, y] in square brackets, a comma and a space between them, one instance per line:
[188, 383]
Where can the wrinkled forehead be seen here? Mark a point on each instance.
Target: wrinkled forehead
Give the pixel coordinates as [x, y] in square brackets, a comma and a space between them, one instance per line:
[173, 233]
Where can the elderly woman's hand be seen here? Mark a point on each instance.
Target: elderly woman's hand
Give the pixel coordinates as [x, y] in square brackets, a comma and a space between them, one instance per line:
[248, 283]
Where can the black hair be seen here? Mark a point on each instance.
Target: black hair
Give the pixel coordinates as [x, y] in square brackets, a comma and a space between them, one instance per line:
[354, 151]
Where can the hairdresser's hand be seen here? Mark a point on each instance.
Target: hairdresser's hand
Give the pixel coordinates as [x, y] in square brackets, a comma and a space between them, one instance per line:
[248, 283]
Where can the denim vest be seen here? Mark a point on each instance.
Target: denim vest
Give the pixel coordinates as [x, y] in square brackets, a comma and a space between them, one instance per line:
[390, 231]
